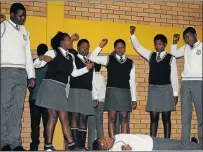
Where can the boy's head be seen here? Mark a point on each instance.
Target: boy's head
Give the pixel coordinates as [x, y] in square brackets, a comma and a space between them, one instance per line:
[97, 67]
[18, 13]
[105, 143]
[160, 42]
[42, 49]
[83, 47]
[119, 47]
[190, 36]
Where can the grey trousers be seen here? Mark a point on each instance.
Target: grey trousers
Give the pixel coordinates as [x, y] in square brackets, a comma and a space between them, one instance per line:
[191, 91]
[95, 123]
[171, 144]
[13, 89]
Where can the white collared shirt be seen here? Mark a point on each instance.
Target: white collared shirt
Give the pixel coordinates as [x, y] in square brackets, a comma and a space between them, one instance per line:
[76, 72]
[147, 54]
[15, 47]
[192, 60]
[137, 142]
[99, 87]
[94, 57]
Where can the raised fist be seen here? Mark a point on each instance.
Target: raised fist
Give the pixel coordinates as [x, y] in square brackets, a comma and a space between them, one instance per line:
[132, 30]
[103, 43]
[75, 37]
[176, 38]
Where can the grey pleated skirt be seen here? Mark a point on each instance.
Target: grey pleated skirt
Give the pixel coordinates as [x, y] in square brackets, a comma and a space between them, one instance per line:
[80, 100]
[117, 99]
[51, 95]
[160, 98]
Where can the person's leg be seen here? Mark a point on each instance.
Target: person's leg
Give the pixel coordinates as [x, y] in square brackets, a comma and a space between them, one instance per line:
[7, 106]
[74, 127]
[45, 117]
[171, 144]
[82, 130]
[19, 89]
[112, 116]
[186, 110]
[166, 118]
[154, 122]
[124, 121]
[197, 96]
[99, 120]
[91, 123]
[35, 115]
[50, 128]
[63, 116]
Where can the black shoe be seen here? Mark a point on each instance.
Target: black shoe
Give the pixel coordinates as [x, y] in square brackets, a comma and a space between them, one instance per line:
[19, 148]
[194, 140]
[33, 148]
[6, 148]
[49, 148]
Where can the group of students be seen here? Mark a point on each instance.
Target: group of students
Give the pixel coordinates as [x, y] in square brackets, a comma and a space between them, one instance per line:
[65, 84]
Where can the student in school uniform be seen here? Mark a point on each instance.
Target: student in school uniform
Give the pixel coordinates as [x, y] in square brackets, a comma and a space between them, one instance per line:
[36, 112]
[191, 84]
[16, 68]
[163, 82]
[52, 93]
[138, 142]
[95, 123]
[121, 90]
[79, 100]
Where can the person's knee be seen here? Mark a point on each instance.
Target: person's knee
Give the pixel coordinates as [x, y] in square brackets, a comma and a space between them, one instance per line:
[112, 119]
[123, 119]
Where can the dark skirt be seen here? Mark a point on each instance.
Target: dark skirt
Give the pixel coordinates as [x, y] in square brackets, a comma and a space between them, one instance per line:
[160, 98]
[117, 99]
[51, 95]
[80, 101]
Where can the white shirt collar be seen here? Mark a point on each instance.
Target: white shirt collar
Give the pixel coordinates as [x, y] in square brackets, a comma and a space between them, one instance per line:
[161, 54]
[81, 57]
[63, 51]
[197, 43]
[118, 57]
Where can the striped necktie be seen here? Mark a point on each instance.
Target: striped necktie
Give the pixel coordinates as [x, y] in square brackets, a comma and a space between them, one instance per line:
[121, 58]
[158, 57]
[17, 27]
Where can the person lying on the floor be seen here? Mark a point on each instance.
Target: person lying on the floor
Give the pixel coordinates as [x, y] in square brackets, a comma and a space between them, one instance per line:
[141, 143]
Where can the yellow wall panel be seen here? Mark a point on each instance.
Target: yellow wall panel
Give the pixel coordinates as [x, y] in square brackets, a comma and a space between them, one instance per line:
[94, 31]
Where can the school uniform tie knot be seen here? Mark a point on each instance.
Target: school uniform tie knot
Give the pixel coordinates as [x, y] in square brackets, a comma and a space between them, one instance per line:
[121, 58]
[85, 59]
[18, 27]
[158, 57]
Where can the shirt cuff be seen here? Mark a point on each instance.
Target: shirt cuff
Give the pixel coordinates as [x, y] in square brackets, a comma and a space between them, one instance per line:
[133, 36]
[133, 98]
[175, 93]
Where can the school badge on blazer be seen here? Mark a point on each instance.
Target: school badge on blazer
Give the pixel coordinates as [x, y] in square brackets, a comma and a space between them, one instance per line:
[198, 52]
[24, 37]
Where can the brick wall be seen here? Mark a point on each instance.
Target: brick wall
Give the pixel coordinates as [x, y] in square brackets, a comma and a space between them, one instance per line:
[34, 8]
[171, 14]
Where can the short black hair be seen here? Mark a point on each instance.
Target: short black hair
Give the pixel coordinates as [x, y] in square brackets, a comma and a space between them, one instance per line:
[161, 37]
[56, 40]
[96, 145]
[82, 41]
[42, 49]
[15, 7]
[97, 67]
[119, 41]
[189, 30]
